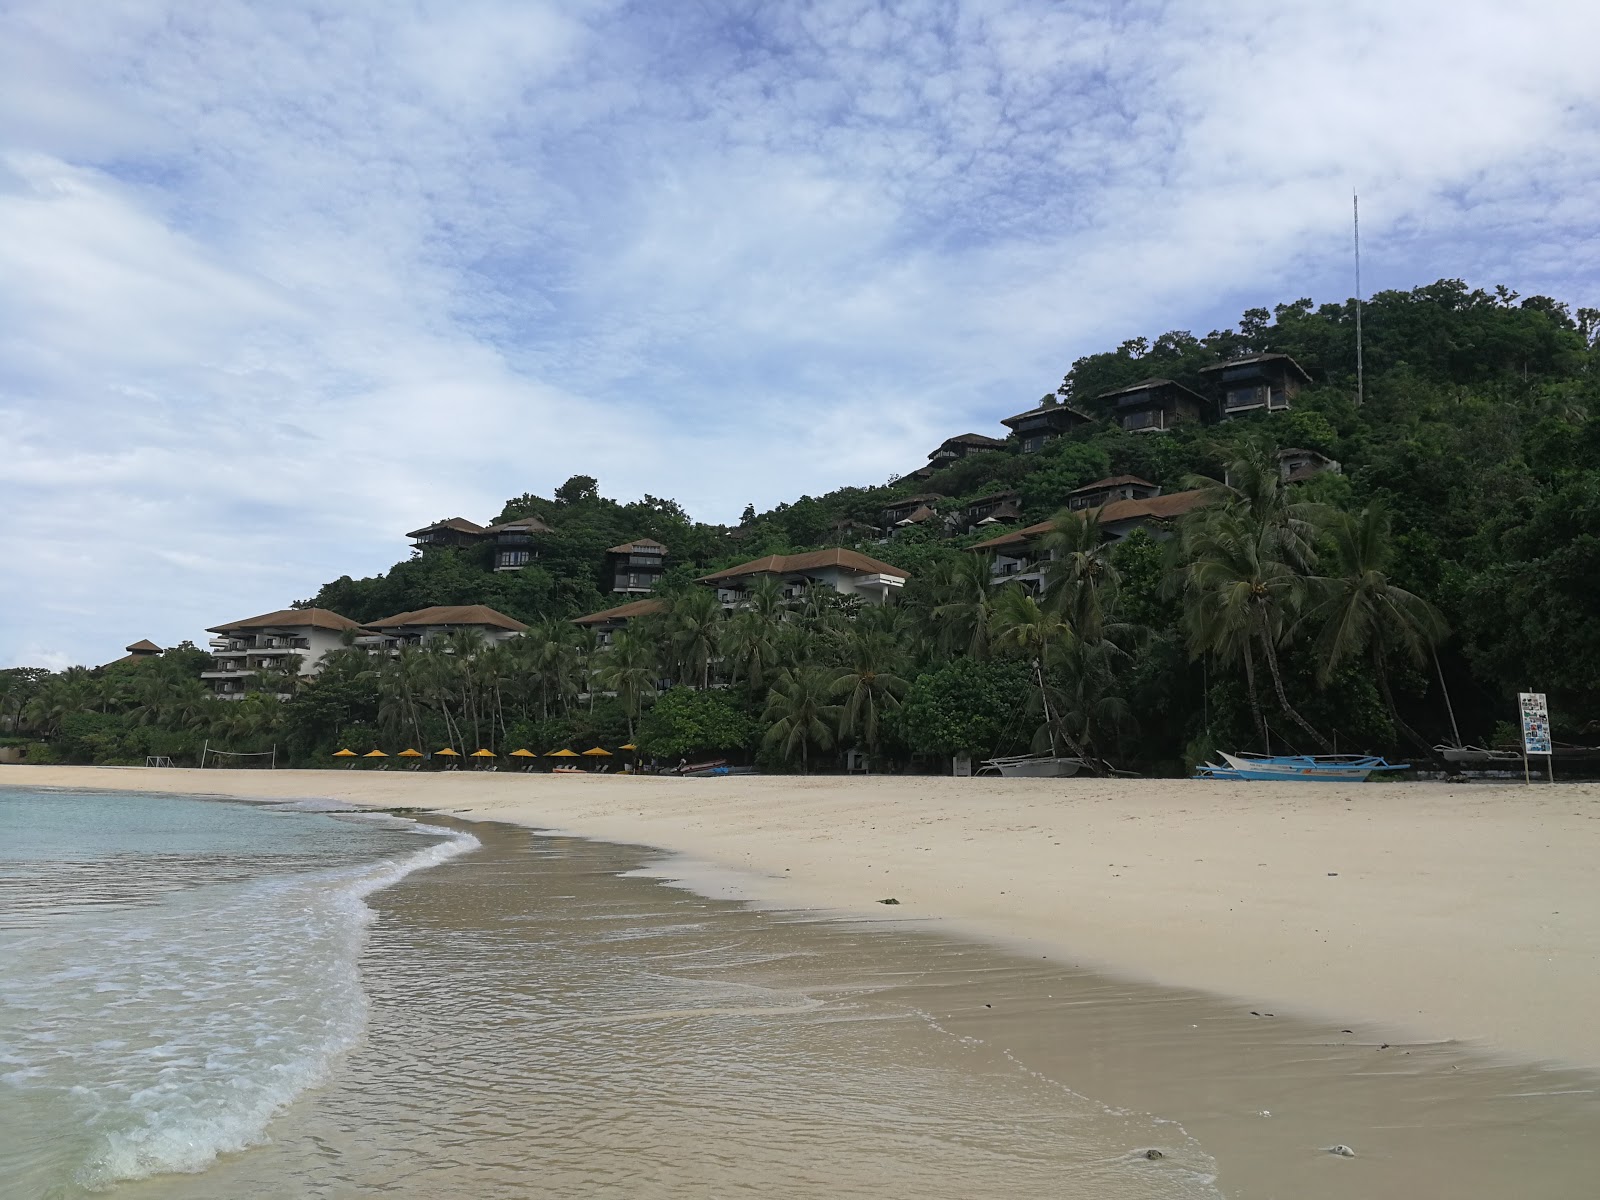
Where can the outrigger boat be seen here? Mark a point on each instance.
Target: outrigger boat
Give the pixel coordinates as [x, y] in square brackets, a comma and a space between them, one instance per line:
[1309, 768]
[1033, 766]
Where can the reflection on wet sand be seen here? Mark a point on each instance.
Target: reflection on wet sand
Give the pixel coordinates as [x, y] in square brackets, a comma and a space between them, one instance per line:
[543, 1026]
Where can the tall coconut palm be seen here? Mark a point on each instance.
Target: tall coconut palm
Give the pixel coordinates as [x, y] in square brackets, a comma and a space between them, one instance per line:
[749, 638]
[868, 683]
[800, 712]
[694, 627]
[1032, 632]
[1080, 579]
[1242, 594]
[963, 619]
[628, 667]
[1362, 612]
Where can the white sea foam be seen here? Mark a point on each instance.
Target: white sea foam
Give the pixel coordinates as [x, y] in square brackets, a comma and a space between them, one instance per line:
[164, 1036]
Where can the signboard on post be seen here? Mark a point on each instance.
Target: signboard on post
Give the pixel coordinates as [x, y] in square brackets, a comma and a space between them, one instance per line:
[1535, 729]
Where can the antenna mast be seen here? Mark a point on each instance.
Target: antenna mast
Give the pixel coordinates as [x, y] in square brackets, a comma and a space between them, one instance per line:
[1361, 381]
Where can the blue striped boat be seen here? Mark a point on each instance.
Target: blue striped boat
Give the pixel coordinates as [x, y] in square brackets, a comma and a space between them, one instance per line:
[1308, 768]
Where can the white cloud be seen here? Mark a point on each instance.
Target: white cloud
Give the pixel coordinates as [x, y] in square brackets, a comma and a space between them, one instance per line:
[278, 282]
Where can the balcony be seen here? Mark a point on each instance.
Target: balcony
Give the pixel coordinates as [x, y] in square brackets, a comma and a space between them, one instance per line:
[227, 672]
[1150, 421]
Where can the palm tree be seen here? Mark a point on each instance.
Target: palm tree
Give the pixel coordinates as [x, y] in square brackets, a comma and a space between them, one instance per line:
[749, 640]
[694, 625]
[1363, 613]
[1243, 593]
[800, 713]
[1080, 579]
[964, 617]
[628, 667]
[1030, 630]
[868, 683]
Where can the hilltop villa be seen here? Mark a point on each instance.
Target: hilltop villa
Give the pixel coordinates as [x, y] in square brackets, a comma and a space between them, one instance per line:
[514, 542]
[426, 624]
[300, 637]
[452, 531]
[847, 572]
[636, 567]
[1259, 381]
[1039, 425]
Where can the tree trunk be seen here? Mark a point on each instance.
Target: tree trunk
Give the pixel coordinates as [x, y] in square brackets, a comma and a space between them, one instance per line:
[1255, 699]
[1283, 697]
[1388, 698]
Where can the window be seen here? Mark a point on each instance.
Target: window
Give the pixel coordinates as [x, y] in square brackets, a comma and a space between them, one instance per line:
[1255, 396]
[514, 558]
[1149, 419]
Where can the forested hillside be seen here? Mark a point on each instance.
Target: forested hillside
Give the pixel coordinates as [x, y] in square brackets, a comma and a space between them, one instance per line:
[1461, 540]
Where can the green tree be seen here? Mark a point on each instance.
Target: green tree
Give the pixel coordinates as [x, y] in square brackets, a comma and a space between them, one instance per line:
[800, 714]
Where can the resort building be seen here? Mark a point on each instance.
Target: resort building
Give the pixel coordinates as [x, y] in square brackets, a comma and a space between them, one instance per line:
[1259, 382]
[847, 572]
[1104, 491]
[1154, 405]
[998, 508]
[898, 511]
[1036, 427]
[1020, 556]
[137, 652]
[636, 567]
[452, 531]
[848, 529]
[428, 624]
[291, 637]
[925, 471]
[514, 542]
[1295, 464]
[953, 449]
[607, 622]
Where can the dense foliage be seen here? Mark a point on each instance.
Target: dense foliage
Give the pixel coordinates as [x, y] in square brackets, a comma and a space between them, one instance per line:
[1460, 546]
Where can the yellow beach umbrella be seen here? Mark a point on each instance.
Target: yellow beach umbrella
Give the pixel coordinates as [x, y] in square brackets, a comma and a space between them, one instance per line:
[374, 754]
[482, 754]
[596, 752]
[629, 746]
[563, 753]
[523, 754]
[408, 752]
[344, 753]
[448, 753]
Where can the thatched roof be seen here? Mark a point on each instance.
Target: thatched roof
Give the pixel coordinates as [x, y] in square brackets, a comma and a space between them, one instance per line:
[455, 524]
[623, 612]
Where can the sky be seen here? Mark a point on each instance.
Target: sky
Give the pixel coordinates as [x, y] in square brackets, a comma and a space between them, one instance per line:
[282, 280]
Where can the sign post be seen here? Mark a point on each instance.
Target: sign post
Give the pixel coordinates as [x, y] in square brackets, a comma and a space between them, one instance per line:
[1535, 732]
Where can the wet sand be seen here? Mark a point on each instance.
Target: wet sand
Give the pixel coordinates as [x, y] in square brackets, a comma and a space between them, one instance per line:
[1415, 912]
[547, 1020]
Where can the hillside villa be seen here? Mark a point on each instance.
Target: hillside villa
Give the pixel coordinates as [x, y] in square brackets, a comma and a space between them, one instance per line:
[953, 449]
[298, 637]
[1020, 556]
[1259, 381]
[847, 572]
[1039, 425]
[514, 546]
[607, 622]
[636, 567]
[427, 624]
[1154, 405]
[452, 531]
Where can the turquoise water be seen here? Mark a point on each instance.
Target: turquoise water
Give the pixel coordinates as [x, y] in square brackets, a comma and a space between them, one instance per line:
[176, 971]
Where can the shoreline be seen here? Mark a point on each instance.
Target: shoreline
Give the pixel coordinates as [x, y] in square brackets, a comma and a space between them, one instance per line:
[1438, 912]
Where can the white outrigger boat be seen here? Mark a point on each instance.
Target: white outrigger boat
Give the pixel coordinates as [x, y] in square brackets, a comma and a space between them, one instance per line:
[1032, 766]
[1309, 768]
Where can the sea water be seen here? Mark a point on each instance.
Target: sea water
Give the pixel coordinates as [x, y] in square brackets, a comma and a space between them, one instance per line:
[174, 971]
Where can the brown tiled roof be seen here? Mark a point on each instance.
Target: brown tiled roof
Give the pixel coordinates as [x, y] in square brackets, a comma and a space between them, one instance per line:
[636, 545]
[450, 614]
[1040, 410]
[623, 612]
[1006, 512]
[291, 618]
[788, 564]
[1156, 507]
[143, 646]
[1113, 481]
[1250, 359]
[459, 524]
[528, 524]
[1148, 384]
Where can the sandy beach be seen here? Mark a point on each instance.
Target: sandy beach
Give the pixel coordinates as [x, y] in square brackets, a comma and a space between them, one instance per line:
[1428, 912]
